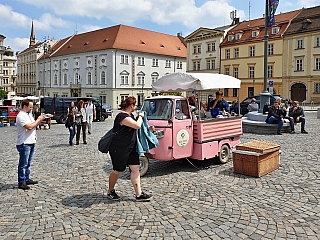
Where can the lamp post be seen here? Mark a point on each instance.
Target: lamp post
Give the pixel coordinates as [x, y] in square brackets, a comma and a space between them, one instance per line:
[253, 81]
[46, 50]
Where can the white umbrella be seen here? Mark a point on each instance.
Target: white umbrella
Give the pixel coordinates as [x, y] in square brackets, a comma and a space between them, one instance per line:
[18, 98]
[32, 97]
[194, 81]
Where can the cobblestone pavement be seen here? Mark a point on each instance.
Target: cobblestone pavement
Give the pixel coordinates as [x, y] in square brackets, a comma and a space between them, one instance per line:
[211, 202]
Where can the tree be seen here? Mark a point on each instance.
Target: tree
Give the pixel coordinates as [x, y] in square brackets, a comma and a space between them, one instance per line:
[3, 93]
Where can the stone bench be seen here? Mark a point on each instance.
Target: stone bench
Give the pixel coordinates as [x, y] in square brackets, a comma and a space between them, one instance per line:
[254, 122]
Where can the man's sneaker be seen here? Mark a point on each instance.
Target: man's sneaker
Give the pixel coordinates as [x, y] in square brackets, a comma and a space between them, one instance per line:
[89, 132]
[113, 196]
[279, 133]
[304, 131]
[292, 132]
[84, 142]
[143, 197]
[31, 182]
[24, 186]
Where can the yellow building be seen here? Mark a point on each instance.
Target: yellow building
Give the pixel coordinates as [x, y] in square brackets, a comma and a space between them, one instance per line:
[242, 54]
[301, 57]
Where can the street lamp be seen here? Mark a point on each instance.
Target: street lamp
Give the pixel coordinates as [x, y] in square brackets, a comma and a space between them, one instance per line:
[46, 50]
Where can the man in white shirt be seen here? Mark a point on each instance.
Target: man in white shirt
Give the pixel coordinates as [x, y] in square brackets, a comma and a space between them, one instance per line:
[27, 137]
[91, 111]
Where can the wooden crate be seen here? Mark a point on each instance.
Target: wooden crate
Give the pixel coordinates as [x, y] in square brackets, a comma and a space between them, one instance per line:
[255, 165]
[259, 147]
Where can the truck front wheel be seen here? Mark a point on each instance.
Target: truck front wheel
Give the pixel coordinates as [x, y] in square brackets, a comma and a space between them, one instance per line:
[144, 165]
[224, 154]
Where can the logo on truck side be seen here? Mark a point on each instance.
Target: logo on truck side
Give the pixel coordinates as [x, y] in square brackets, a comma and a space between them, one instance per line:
[182, 138]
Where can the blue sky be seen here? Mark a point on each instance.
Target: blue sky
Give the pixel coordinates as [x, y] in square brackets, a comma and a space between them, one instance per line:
[61, 18]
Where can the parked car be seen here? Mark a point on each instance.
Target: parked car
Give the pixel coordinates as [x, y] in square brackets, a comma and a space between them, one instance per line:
[244, 104]
[108, 109]
[58, 107]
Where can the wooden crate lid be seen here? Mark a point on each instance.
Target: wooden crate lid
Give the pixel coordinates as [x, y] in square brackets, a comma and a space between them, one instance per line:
[258, 146]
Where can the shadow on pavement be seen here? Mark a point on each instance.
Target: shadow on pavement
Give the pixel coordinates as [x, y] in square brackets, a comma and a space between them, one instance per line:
[4, 187]
[87, 200]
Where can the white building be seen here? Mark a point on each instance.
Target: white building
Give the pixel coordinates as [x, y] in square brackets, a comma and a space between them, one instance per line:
[2, 49]
[9, 72]
[110, 63]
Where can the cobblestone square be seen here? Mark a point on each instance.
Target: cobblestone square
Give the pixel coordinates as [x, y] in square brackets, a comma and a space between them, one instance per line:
[210, 202]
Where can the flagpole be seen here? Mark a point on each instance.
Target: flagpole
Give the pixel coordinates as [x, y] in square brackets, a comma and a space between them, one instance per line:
[265, 95]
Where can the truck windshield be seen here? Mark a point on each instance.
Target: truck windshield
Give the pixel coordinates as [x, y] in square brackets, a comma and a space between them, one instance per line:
[158, 109]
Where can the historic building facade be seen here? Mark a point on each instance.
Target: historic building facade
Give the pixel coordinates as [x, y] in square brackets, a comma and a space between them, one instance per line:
[2, 49]
[301, 57]
[110, 63]
[242, 54]
[9, 72]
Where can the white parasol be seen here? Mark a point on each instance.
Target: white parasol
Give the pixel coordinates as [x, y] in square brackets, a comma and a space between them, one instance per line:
[32, 97]
[194, 81]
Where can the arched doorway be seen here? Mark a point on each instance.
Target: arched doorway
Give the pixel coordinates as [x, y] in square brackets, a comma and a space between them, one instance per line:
[298, 92]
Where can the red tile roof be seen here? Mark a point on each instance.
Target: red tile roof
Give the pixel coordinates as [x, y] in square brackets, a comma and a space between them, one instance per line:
[245, 28]
[307, 20]
[126, 38]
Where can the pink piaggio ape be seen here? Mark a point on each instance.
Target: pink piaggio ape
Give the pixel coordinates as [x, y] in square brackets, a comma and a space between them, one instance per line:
[183, 133]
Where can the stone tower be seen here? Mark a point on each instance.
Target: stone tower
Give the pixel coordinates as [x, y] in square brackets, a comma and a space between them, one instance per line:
[32, 36]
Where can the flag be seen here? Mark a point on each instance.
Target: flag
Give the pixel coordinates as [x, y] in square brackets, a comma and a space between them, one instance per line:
[273, 4]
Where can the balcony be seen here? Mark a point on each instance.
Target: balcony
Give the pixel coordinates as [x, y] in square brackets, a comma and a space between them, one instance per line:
[75, 86]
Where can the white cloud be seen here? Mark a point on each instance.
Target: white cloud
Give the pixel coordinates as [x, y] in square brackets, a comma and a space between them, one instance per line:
[9, 18]
[300, 4]
[16, 44]
[212, 13]
[88, 28]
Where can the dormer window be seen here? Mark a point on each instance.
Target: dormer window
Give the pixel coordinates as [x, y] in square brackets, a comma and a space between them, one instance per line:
[238, 36]
[255, 33]
[230, 37]
[275, 30]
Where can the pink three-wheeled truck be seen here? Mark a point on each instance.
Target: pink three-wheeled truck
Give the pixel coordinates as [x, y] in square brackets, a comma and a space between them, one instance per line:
[182, 133]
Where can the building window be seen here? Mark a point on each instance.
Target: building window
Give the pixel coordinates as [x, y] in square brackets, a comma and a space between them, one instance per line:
[270, 72]
[168, 64]
[179, 65]
[251, 72]
[154, 77]
[252, 51]
[103, 78]
[196, 65]
[197, 49]
[317, 87]
[211, 64]
[140, 61]
[124, 79]
[227, 53]
[254, 33]
[235, 92]
[238, 35]
[230, 37]
[227, 71]
[124, 59]
[299, 65]
[65, 79]
[317, 63]
[89, 78]
[226, 92]
[236, 72]
[55, 79]
[155, 62]
[300, 44]
[211, 47]
[140, 79]
[236, 53]
[270, 49]
[318, 42]
[275, 30]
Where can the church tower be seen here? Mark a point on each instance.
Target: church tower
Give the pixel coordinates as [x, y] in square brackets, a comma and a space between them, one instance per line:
[32, 36]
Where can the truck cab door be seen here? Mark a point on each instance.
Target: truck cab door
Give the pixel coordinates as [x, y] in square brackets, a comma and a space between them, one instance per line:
[182, 132]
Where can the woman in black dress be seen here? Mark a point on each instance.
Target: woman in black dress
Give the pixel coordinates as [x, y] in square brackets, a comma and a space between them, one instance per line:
[123, 149]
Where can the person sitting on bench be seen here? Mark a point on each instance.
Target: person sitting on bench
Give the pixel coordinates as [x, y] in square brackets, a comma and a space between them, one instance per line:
[296, 115]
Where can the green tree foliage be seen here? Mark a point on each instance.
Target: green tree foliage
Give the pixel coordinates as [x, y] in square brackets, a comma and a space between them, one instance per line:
[3, 93]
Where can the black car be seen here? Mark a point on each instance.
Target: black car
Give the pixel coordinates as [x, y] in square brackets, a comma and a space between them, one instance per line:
[244, 104]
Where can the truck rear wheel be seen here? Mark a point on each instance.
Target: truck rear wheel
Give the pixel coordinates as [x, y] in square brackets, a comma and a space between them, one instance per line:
[144, 165]
[102, 118]
[224, 154]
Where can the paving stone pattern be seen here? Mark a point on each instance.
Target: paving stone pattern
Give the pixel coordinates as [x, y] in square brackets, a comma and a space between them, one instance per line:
[210, 202]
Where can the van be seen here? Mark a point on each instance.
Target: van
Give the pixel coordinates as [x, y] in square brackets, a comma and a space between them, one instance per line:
[8, 111]
[58, 107]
